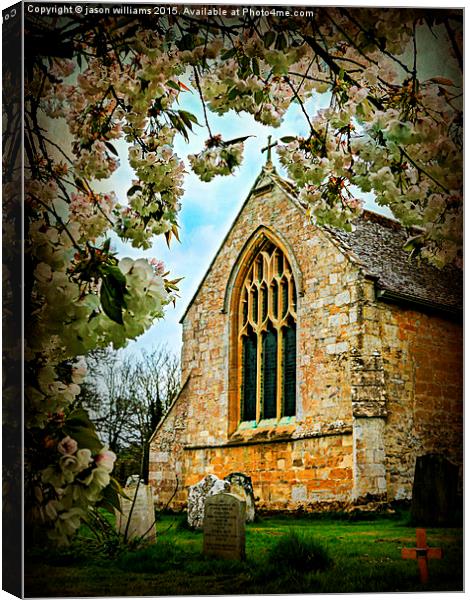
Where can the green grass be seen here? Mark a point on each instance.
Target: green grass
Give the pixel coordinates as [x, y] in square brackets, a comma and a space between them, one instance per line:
[283, 555]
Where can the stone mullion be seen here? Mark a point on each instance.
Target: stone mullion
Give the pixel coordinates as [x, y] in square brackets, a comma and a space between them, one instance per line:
[259, 366]
[279, 379]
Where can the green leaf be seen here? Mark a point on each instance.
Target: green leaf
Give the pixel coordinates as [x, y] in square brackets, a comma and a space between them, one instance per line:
[178, 124]
[287, 139]
[78, 417]
[186, 120]
[111, 148]
[115, 276]
[111, 308]
[144, 83]
[113, 289]
[255, 66]
[281, 41]
[190, 116]
[269, 38]
[233, 93]
[173, 85]
[259, 96]
[133, 189]
[229, 54]
[187, 42]
[237, 140]
[111, 493]
[79, 427]
[80, 184]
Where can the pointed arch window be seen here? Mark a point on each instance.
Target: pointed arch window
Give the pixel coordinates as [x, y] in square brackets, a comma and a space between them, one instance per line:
[267, 335]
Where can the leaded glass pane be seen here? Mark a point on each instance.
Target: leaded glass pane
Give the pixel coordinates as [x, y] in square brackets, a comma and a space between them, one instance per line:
[285, 298]
[274, 299]
[254, 316]
[249, 377]
[260, 267]
[264, 296]
[288, 361]
[245, 306]
[269, 375]
[280, 264]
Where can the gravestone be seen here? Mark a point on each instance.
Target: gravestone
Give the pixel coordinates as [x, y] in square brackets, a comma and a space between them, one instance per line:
[198, 494]
[224, 527]
[142, 517]
[240, 484]
[435, 491]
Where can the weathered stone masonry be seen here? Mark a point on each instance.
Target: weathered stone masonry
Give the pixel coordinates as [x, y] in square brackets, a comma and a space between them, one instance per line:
[378, 382]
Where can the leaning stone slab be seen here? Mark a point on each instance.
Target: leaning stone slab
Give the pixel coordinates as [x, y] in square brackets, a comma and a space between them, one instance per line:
[224, 527]
[198, 494]
[141, 517]
[240, 484]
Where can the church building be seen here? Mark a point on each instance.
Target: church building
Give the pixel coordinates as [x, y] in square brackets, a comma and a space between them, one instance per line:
[319, 362]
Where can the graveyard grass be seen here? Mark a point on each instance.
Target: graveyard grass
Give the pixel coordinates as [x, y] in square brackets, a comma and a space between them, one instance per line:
[359, 554]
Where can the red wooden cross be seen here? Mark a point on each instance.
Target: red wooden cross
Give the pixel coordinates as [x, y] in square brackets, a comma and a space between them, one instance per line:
[422, 553]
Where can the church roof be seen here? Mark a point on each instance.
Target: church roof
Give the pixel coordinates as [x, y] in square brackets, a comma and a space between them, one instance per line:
[376, 246]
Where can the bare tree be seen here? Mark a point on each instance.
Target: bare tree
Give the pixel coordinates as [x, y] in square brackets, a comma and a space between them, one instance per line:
[127, 396]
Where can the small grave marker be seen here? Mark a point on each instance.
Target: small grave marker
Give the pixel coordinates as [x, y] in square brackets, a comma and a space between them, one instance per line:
[422, 553]
[141, 516]
[224, 527]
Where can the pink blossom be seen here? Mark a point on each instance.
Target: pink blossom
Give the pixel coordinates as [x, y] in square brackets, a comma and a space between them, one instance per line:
[106, 460]
[67, 446]
[158, 266]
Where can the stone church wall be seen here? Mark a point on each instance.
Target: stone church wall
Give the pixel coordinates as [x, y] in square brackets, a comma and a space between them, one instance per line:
[422, 354]
[285, 475]
[166, 467]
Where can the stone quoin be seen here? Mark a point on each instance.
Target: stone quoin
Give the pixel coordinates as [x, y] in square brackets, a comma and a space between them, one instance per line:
[318, 362]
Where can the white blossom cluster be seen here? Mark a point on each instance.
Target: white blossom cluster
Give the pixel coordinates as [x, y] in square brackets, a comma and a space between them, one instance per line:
[221, 160]
[79, 479]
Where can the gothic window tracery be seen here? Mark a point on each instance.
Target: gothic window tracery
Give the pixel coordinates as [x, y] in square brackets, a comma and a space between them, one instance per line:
[267, 337]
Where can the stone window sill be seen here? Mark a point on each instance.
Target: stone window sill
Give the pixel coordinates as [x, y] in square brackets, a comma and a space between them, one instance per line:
[271, 434]
[265, 423]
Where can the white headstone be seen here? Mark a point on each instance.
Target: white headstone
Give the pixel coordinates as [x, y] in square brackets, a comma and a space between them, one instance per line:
[198, 494]
[142, 514]
[224, 527]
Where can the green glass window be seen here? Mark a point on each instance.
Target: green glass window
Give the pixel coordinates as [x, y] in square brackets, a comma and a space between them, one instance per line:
[269, 375]
[288, 367]
[267, 338]
[249, 377]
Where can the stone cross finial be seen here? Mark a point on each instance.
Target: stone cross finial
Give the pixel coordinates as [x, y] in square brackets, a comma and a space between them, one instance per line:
[268, 149]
